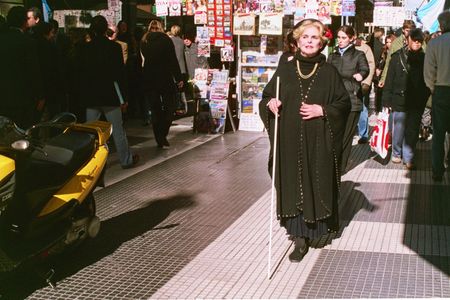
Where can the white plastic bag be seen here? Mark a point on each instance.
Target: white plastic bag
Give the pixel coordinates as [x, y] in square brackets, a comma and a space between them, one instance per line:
[379, 141]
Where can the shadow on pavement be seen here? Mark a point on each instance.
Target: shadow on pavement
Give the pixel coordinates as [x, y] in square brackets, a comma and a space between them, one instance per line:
[113, 233]
[427, 215]
[351, 202]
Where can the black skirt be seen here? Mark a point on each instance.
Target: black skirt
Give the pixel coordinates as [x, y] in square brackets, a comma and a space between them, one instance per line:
[297, 227]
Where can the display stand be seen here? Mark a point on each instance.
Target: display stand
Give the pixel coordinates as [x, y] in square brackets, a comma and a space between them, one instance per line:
[255, 69]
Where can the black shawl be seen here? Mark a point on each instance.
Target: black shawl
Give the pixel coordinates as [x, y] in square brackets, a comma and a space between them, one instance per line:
[308, 152]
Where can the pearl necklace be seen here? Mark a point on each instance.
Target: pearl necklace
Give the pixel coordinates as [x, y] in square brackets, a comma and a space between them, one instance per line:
[308, 75]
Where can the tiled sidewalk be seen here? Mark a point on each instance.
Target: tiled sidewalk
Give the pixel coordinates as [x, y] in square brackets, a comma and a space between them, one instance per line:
[195, 225]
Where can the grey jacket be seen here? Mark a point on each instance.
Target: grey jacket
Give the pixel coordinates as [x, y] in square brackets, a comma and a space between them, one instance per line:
[179, 50]
[437, 62]
[193, 61]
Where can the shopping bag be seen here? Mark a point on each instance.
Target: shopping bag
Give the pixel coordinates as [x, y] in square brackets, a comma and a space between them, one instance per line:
[379, 141]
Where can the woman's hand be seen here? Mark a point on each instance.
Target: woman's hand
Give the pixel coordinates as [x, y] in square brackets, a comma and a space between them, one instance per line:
[310, 111]
[273, 105]
[358, 77]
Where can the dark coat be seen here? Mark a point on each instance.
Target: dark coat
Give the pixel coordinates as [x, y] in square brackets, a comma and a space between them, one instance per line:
[20, 76]
[100, 64]
[404, 88]
[51, 71]
[161, 68]
[350, 63]
[307, 175]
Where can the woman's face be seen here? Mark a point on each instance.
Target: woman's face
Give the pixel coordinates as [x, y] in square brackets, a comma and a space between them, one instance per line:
[309, 42]
[343, 39]
[388, 43]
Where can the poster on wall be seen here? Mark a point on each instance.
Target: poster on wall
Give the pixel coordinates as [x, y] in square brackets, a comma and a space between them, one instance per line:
[348, 8]
[227, 54]
[271, 24]
[162, 7]
[312, 9]
[324, 13]
[200, 17]
[244, 24]
[289, 7]
[204, 48]
[174, 8]
[188, 7]
[388, 16]
[247, 6]
[73, 18]
[336, 7]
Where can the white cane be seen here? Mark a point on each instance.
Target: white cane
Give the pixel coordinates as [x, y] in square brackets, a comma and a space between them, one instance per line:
[272, 200]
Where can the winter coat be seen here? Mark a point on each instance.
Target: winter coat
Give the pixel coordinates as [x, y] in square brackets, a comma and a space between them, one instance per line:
[161, 68]
[350, 63]
[100, 64]
[404, 89]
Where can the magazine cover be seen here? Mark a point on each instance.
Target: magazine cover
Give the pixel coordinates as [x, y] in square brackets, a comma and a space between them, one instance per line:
[271, 24]
[244, 24]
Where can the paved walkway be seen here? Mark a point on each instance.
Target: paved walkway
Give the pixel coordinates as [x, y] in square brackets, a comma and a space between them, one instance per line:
[193, 222]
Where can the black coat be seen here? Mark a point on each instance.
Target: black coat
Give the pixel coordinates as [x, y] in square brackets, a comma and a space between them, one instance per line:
[352, 62]
[161, 68]
[308, 155]
[404, 88]
[20, 75]
[100, 64]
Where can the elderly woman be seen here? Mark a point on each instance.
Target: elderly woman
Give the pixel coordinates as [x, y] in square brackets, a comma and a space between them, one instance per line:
[313, 106]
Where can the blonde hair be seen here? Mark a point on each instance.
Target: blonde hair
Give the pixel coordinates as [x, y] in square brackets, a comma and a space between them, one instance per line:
[175, 30]
[300, 28]
[155, 25]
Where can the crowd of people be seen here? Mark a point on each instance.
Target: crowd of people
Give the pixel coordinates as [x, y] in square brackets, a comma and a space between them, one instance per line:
[99, 71]
[319, 104]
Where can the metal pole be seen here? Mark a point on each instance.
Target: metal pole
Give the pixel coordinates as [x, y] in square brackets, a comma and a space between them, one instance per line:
[272, 200]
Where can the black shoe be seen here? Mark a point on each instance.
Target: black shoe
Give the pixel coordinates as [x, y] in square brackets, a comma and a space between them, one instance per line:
[299, 251]
[363, 140]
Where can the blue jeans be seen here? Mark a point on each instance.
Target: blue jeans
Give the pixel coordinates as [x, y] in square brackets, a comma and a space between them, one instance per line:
[113, 115]
[405, 134]
[363, 124]
[441, 124]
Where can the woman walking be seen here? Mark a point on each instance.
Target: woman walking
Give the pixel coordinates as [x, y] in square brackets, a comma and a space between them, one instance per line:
[353, 67]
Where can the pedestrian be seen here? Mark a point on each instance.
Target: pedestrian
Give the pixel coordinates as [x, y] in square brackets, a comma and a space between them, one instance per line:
[178, 43]
[406, 94]
[366, 87]
[193, 61]
[51, 71]
[313, 106]
[379, 70]
[101, 75]
[22, 95]
[353, 67]
[437, 78]
[397, 44]
[161, 79]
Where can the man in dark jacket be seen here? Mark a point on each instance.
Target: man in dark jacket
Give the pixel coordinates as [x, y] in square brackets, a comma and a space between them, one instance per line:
[437, 78]
[20, 77]
[406, 93]
[161, 80]
[101, 73]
